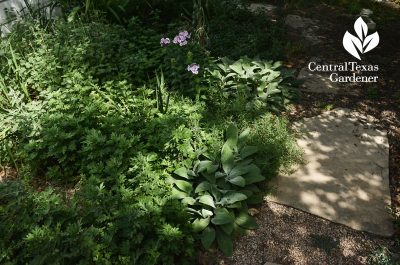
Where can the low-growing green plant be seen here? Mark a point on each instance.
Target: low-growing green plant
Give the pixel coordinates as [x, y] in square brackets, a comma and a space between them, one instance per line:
[262, 83]
[129, 219]
[218, 191]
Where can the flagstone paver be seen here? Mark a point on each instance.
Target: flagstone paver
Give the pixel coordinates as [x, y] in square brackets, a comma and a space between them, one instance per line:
[345, 176]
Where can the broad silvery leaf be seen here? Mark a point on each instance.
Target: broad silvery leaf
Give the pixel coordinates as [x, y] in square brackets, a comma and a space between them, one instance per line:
[361, 28]
[351, 44]
[371, 42]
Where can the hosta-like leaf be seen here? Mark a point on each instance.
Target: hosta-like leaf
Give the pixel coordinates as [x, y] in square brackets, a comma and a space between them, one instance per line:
[208, 237]
[232, 197]
[227, 228]
[243, 137]
[184, 185]
[225, 243]
[204, 186]
[236, 205]
[215, 192]
[189, 201]
[206, 213]
[207, 200]
[238, 181]
[248, 151]
[200, 224]
[222, 216]
[246, 221]
[203, 165]
[239, 170]
[254, 175]
[237, 68]
[227, 158]
[177, 194]
[182, 172]
[232, 136]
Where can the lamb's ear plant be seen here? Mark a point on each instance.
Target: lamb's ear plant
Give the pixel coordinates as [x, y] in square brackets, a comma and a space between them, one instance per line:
[217, 192]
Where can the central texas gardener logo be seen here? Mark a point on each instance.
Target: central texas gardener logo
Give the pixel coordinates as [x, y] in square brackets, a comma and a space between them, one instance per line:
[361, 44]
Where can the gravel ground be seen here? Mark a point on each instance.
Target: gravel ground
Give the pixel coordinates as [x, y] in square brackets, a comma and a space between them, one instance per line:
[290, 236]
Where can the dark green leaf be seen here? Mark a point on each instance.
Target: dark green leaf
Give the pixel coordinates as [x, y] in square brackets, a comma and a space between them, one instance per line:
[204, 186]
[228, 228]
[238, 181]
[222, 216]
[232, 197]
[246, 221]
[225, 243]
[254, 175]
[248, 151]
[208, 237]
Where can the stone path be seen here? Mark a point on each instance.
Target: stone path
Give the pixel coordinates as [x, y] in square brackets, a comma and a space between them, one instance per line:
[345, 177]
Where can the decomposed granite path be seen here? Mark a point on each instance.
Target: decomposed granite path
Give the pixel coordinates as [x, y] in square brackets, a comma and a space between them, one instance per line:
[345, 176]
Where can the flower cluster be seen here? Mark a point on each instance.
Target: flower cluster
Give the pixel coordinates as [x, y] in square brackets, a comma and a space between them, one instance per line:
[194, 68]
[165, 41]
[182, 39]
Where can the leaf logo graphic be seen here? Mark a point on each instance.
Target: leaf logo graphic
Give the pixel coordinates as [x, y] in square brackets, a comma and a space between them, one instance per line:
[363, 43]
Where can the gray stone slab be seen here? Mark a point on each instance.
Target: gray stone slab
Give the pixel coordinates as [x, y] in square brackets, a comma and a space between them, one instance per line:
[345, 178]
[308, 28]
[317, 82]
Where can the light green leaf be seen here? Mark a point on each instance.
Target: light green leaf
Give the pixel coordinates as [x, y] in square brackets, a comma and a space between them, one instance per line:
[182, 172]
[184, 185]
[244, 136]
[232, 136]
[203, 186]
[206, 213]
[177, 194]
[200, 224]
[246, 221]
[208, 237]
[222, 216]
[189, 200]
[227, 158]
[225, 243]
[207, 200]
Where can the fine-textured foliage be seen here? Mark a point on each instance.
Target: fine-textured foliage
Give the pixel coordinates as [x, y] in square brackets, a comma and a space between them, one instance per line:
[218, 191]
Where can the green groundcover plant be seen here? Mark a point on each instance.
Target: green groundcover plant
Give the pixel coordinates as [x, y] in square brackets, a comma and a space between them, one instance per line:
[107, 127]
